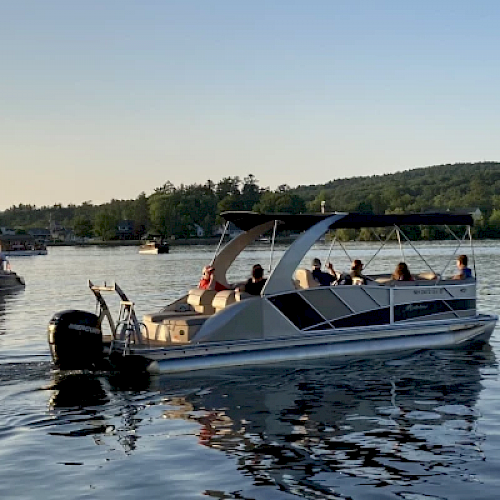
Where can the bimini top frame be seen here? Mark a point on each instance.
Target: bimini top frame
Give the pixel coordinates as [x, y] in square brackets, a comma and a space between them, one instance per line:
[314, 226]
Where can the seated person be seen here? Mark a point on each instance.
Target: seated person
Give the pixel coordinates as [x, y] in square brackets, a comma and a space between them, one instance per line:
[463, 271]
[208, 282]
[324, 279]
[402, 273]
[256, 283]
[356, 268]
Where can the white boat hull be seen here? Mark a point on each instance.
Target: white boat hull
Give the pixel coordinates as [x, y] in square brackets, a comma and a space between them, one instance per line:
[363, 342]
[149, 251]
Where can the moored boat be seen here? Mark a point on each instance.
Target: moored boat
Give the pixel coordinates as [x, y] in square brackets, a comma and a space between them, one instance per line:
[293, 318]
[9, 280]
[21, 245]
[155, 247]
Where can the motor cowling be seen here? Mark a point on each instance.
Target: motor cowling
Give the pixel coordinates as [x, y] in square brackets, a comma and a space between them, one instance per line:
[75, 340]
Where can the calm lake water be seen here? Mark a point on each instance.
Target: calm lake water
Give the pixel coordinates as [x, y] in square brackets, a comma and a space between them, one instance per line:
[419, 427]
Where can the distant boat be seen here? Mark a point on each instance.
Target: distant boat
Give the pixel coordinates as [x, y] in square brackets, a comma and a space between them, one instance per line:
[9, 280]
[154, 247]
[21, 244]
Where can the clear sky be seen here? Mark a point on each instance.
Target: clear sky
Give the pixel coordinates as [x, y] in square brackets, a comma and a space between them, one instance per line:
[103, 99]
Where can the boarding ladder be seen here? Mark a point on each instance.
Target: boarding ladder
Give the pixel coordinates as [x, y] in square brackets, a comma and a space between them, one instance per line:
[127, 329]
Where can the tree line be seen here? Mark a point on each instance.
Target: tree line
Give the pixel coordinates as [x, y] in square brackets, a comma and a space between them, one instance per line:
[179, 210]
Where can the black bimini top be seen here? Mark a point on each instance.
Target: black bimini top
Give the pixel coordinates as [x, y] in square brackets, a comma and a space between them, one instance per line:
[302, 222]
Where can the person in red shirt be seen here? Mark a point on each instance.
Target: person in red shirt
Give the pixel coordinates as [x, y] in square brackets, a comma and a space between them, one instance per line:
[208, 282]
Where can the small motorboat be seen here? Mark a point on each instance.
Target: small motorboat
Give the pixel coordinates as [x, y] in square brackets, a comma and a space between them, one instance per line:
[294, 317]
[154, 247]
[9, 280]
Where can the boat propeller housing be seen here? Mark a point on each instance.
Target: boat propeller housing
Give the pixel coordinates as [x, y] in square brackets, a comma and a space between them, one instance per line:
[75, 340]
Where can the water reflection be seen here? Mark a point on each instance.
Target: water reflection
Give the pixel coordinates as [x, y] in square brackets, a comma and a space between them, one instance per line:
[86, 404]
[2, 312]
[387, 423]
[7, 297]
[312, 431]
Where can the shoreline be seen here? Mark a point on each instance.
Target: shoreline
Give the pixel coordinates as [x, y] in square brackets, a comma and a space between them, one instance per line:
[172, 243]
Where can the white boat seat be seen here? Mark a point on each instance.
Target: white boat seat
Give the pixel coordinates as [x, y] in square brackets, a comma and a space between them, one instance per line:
[383, 279]
[426, 276]
[358, 281]
[305, 279]
[183, 329]
[223, 299]
[201, 300]
[179, 329]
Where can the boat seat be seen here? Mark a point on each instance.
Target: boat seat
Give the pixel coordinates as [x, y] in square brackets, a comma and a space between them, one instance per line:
[383, 279]
[239, 296]
[358, 281]
[201, 300]
[182, 330]
[177, 330]
[223, 299]
[305, 279]
[162, 316]
[426, 276]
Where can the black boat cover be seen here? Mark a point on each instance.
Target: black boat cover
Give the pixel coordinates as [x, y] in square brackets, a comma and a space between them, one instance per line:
[302, 222]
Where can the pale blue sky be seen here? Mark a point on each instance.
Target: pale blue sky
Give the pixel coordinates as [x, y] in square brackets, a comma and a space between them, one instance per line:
[105, 99]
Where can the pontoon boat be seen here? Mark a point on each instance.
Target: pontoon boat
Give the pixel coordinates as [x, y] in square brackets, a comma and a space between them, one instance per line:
[293, 319]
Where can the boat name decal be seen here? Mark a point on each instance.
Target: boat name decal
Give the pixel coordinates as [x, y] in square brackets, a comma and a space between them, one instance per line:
[429, 292]
[416, 307]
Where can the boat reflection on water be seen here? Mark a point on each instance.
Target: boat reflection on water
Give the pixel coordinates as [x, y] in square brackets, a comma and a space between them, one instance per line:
[318, 430]
[369, 421]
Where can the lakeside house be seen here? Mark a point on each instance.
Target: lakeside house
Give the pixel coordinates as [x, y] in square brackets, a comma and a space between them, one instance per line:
[7, 231]
[40, 235]
[126, 230]
[231, 232]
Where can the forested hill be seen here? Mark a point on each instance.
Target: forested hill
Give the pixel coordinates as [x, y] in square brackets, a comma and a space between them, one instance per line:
[461, 185]
[189, 210]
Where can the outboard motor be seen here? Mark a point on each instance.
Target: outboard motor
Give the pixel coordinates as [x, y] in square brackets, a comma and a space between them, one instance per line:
[75, 339]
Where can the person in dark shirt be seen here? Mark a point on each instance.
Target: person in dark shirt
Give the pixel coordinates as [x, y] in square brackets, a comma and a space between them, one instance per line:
[402, 273]
[324, 279]
[256, 283]
[463, 271]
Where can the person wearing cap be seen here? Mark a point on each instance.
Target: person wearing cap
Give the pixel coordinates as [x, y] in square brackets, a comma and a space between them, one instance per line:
[208, 282]
[356, 268]
[324, 279]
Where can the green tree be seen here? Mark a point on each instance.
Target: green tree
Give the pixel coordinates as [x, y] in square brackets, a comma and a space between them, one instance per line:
[141, 215]
[105, 225]
[250, 193]
[280, 202]
[82, 226]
